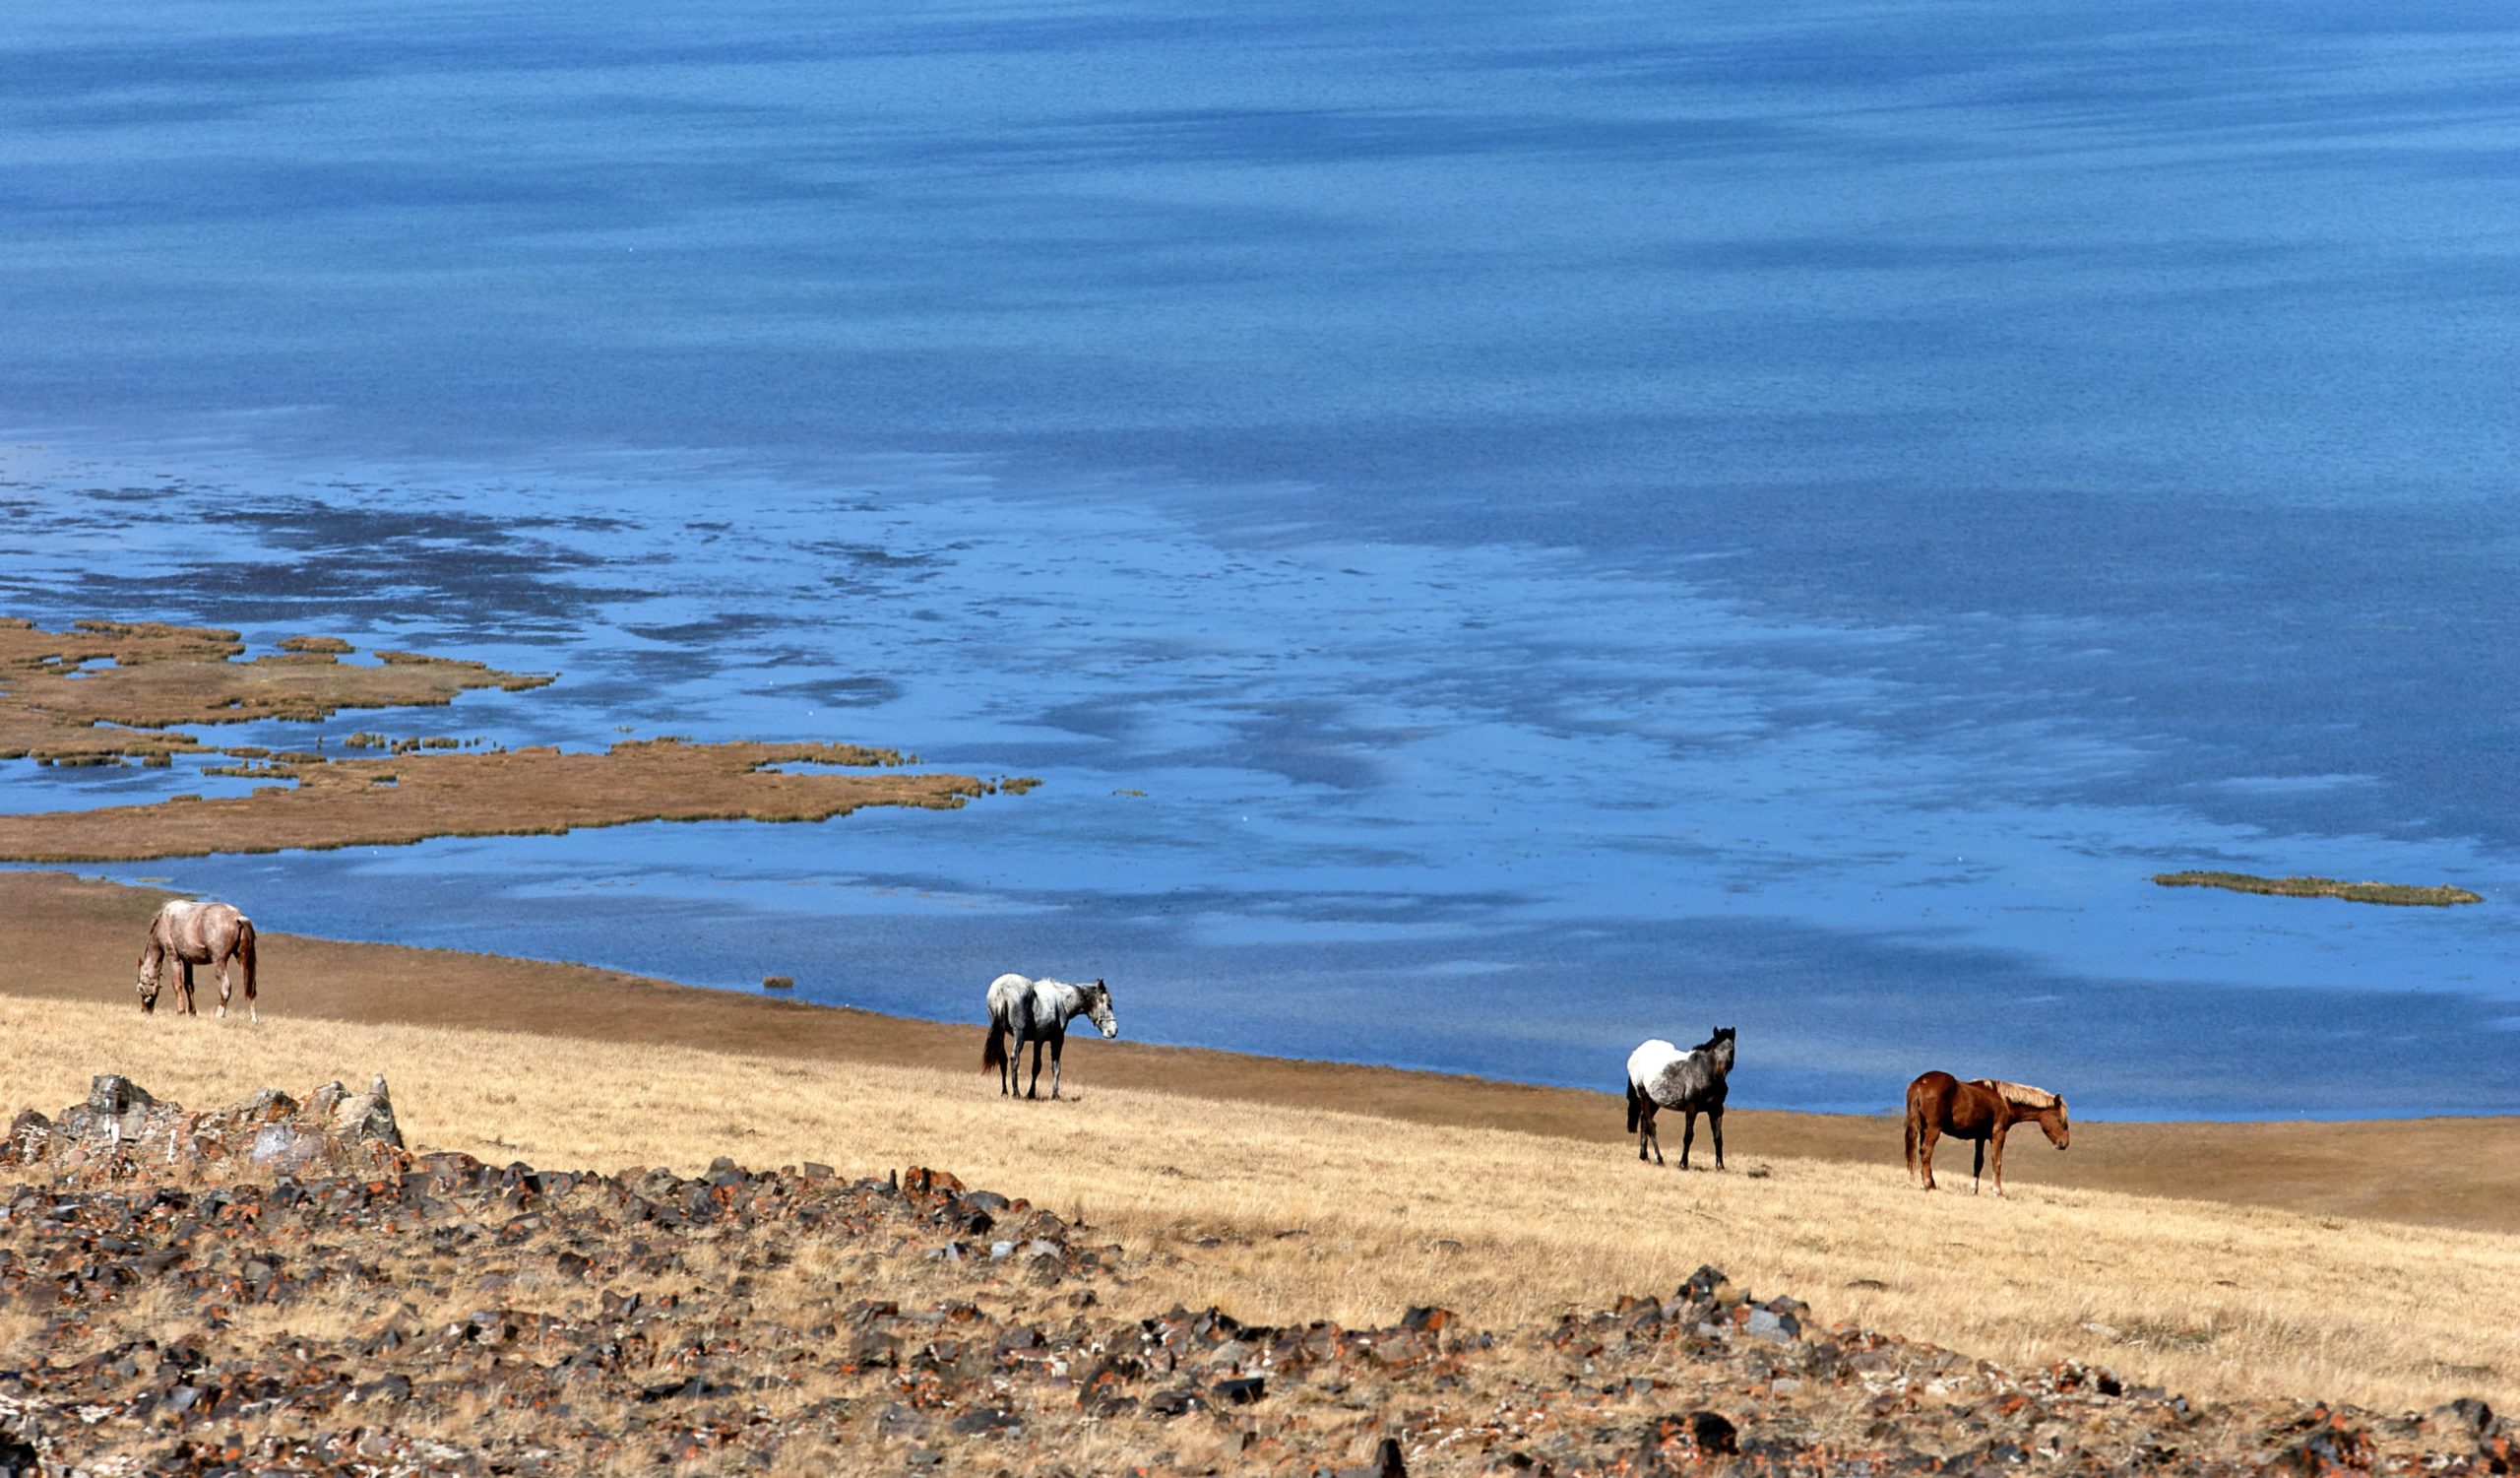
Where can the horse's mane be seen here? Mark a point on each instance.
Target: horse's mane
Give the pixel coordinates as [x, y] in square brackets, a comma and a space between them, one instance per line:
[2020, 1095]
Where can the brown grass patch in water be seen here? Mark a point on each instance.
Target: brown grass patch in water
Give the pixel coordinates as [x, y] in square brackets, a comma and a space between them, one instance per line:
[2398, 894]
[355, 803]
[57, 708]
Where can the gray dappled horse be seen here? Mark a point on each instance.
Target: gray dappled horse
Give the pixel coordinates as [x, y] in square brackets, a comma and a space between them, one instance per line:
[197, 933]
[1038, 1011]
[1661, 1076]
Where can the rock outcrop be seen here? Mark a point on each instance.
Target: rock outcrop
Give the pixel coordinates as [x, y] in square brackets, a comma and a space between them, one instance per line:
[122, 1128]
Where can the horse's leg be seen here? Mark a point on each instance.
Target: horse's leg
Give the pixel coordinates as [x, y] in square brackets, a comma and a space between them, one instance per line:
[1653, 1131]
[1926, 1135]
[1979, 1168]
[1035, 1090]
[188, 987]
[1058, 1048]
[1688, 1134]
[224, 987]
[1999, 1157]
[1714, 1122]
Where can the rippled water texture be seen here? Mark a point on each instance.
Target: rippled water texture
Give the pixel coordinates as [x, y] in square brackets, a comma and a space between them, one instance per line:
[1581, 525]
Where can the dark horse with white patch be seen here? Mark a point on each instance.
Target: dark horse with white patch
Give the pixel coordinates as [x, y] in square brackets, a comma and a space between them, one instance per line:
[1038, 1011]
[197, 933]
[1981, 1109]
[1661, 1076]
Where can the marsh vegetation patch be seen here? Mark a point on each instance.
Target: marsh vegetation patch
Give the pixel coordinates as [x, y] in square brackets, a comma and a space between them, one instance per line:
[531, 791]
[104, 693]
[2401, 894]
[110, 693]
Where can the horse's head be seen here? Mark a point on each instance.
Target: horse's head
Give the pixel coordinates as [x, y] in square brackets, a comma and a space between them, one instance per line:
[1721, 1045]
[2052, 1122]
[1098, 1007]
[149, 983]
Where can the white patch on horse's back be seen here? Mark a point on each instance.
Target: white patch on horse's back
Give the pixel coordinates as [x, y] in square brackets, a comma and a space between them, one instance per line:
[1650, 1061]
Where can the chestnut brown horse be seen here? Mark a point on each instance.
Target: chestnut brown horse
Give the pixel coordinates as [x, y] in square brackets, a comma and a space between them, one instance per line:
[1981, 1111]
[197, 933]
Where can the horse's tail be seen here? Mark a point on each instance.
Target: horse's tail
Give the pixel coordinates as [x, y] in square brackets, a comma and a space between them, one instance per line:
[993, 1051]
[1915, 1114]
[245, 952]
[1633, 1106]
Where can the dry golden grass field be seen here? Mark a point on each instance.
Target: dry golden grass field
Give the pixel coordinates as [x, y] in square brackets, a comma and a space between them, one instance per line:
[1505, 1203]
[1505, 1227]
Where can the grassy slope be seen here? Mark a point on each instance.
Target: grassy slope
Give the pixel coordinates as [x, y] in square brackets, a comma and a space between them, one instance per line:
[2211, 1298]
[2207, 1297]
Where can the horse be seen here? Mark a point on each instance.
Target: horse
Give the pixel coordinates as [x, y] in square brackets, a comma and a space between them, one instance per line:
[1661, 1076]
[1038, 1011]
[197, 933]
[1979, 1110]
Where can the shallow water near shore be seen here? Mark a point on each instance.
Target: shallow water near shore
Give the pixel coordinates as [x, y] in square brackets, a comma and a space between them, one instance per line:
[1577, 530]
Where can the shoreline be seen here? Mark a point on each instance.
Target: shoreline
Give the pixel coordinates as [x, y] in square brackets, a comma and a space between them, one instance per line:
[75, 938]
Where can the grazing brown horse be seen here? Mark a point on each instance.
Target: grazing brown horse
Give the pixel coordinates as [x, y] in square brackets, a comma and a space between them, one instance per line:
[1940, 1104]
[197, 933]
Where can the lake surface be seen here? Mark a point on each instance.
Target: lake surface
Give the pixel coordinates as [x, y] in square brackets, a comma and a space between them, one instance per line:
[1580, 524]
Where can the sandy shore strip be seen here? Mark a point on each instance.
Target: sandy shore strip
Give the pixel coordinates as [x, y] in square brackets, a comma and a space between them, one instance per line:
[75, 939]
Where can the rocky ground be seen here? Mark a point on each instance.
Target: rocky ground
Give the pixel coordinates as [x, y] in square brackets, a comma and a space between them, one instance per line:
[278, 1286]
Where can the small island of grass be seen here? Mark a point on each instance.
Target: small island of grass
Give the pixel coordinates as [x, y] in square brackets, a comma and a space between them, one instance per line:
[107, 692]
[2402, 894]
[110, 692]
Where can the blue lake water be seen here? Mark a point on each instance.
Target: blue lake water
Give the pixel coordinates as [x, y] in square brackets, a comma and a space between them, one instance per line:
[1581, 524]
